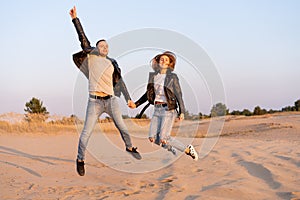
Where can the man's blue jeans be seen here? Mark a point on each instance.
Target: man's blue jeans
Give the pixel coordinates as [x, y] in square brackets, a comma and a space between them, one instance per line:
[95, 108]
[161, 126]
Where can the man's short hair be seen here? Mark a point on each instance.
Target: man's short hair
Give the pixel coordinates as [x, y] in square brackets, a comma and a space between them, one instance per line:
[100, 41]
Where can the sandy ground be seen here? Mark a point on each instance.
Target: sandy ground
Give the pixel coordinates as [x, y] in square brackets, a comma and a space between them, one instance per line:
[257, 158]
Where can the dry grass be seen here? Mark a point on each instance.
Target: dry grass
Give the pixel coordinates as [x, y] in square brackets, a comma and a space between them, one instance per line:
[64, 125]
[234, 125]
[35, 127]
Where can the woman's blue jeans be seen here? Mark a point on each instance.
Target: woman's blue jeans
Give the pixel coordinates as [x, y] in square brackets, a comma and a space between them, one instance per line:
[161, 126]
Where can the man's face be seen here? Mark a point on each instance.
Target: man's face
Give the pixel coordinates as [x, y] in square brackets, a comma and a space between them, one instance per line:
[103, 48]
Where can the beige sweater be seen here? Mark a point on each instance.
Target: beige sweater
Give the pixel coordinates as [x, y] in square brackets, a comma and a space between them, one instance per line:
[100, 75]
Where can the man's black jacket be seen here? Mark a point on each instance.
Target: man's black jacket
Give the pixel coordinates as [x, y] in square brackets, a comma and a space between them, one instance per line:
[81, 61]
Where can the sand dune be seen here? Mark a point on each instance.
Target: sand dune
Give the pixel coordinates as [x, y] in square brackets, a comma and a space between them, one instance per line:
[256, 158]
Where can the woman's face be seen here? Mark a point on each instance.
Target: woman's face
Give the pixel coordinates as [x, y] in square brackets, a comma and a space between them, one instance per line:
[164, 62]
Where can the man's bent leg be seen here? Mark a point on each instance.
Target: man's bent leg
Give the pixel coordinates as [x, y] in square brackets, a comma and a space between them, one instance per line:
[113, 109]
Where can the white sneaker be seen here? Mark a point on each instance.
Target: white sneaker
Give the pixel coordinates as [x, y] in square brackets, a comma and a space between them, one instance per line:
[190, 150]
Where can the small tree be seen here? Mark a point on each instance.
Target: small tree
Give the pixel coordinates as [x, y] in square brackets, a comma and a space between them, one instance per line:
[258, 111]
[35, 106]
[297, 105]
[200, 115]
[218, 110]
[35, 110]
[287, 109]
[246, 112]
[187, 115]
[271, 111]
[236, 112]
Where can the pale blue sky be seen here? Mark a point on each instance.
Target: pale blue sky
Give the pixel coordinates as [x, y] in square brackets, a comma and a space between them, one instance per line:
[254, 44]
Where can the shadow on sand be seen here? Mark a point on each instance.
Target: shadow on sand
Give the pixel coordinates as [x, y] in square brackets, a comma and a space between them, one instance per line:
[44, 159]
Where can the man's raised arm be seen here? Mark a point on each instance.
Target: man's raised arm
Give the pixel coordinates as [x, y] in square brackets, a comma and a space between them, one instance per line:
[85, 43]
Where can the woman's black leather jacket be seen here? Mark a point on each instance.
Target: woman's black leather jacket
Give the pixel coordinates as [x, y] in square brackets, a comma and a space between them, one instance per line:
[172, 91]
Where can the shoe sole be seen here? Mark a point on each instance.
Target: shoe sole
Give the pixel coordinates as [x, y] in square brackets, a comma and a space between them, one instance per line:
[136, 155]
[78, 171]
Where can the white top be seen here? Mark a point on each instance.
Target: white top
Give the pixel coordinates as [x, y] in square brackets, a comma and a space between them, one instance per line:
[100, 74]
[159, 81]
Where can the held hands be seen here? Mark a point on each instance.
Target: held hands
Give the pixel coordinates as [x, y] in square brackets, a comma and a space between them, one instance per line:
[151, 139]
[73, 13]
[131, 104]
[181, 117]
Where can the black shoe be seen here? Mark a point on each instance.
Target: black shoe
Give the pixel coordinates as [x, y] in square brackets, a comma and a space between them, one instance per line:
[80, 167]
[134, 153]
